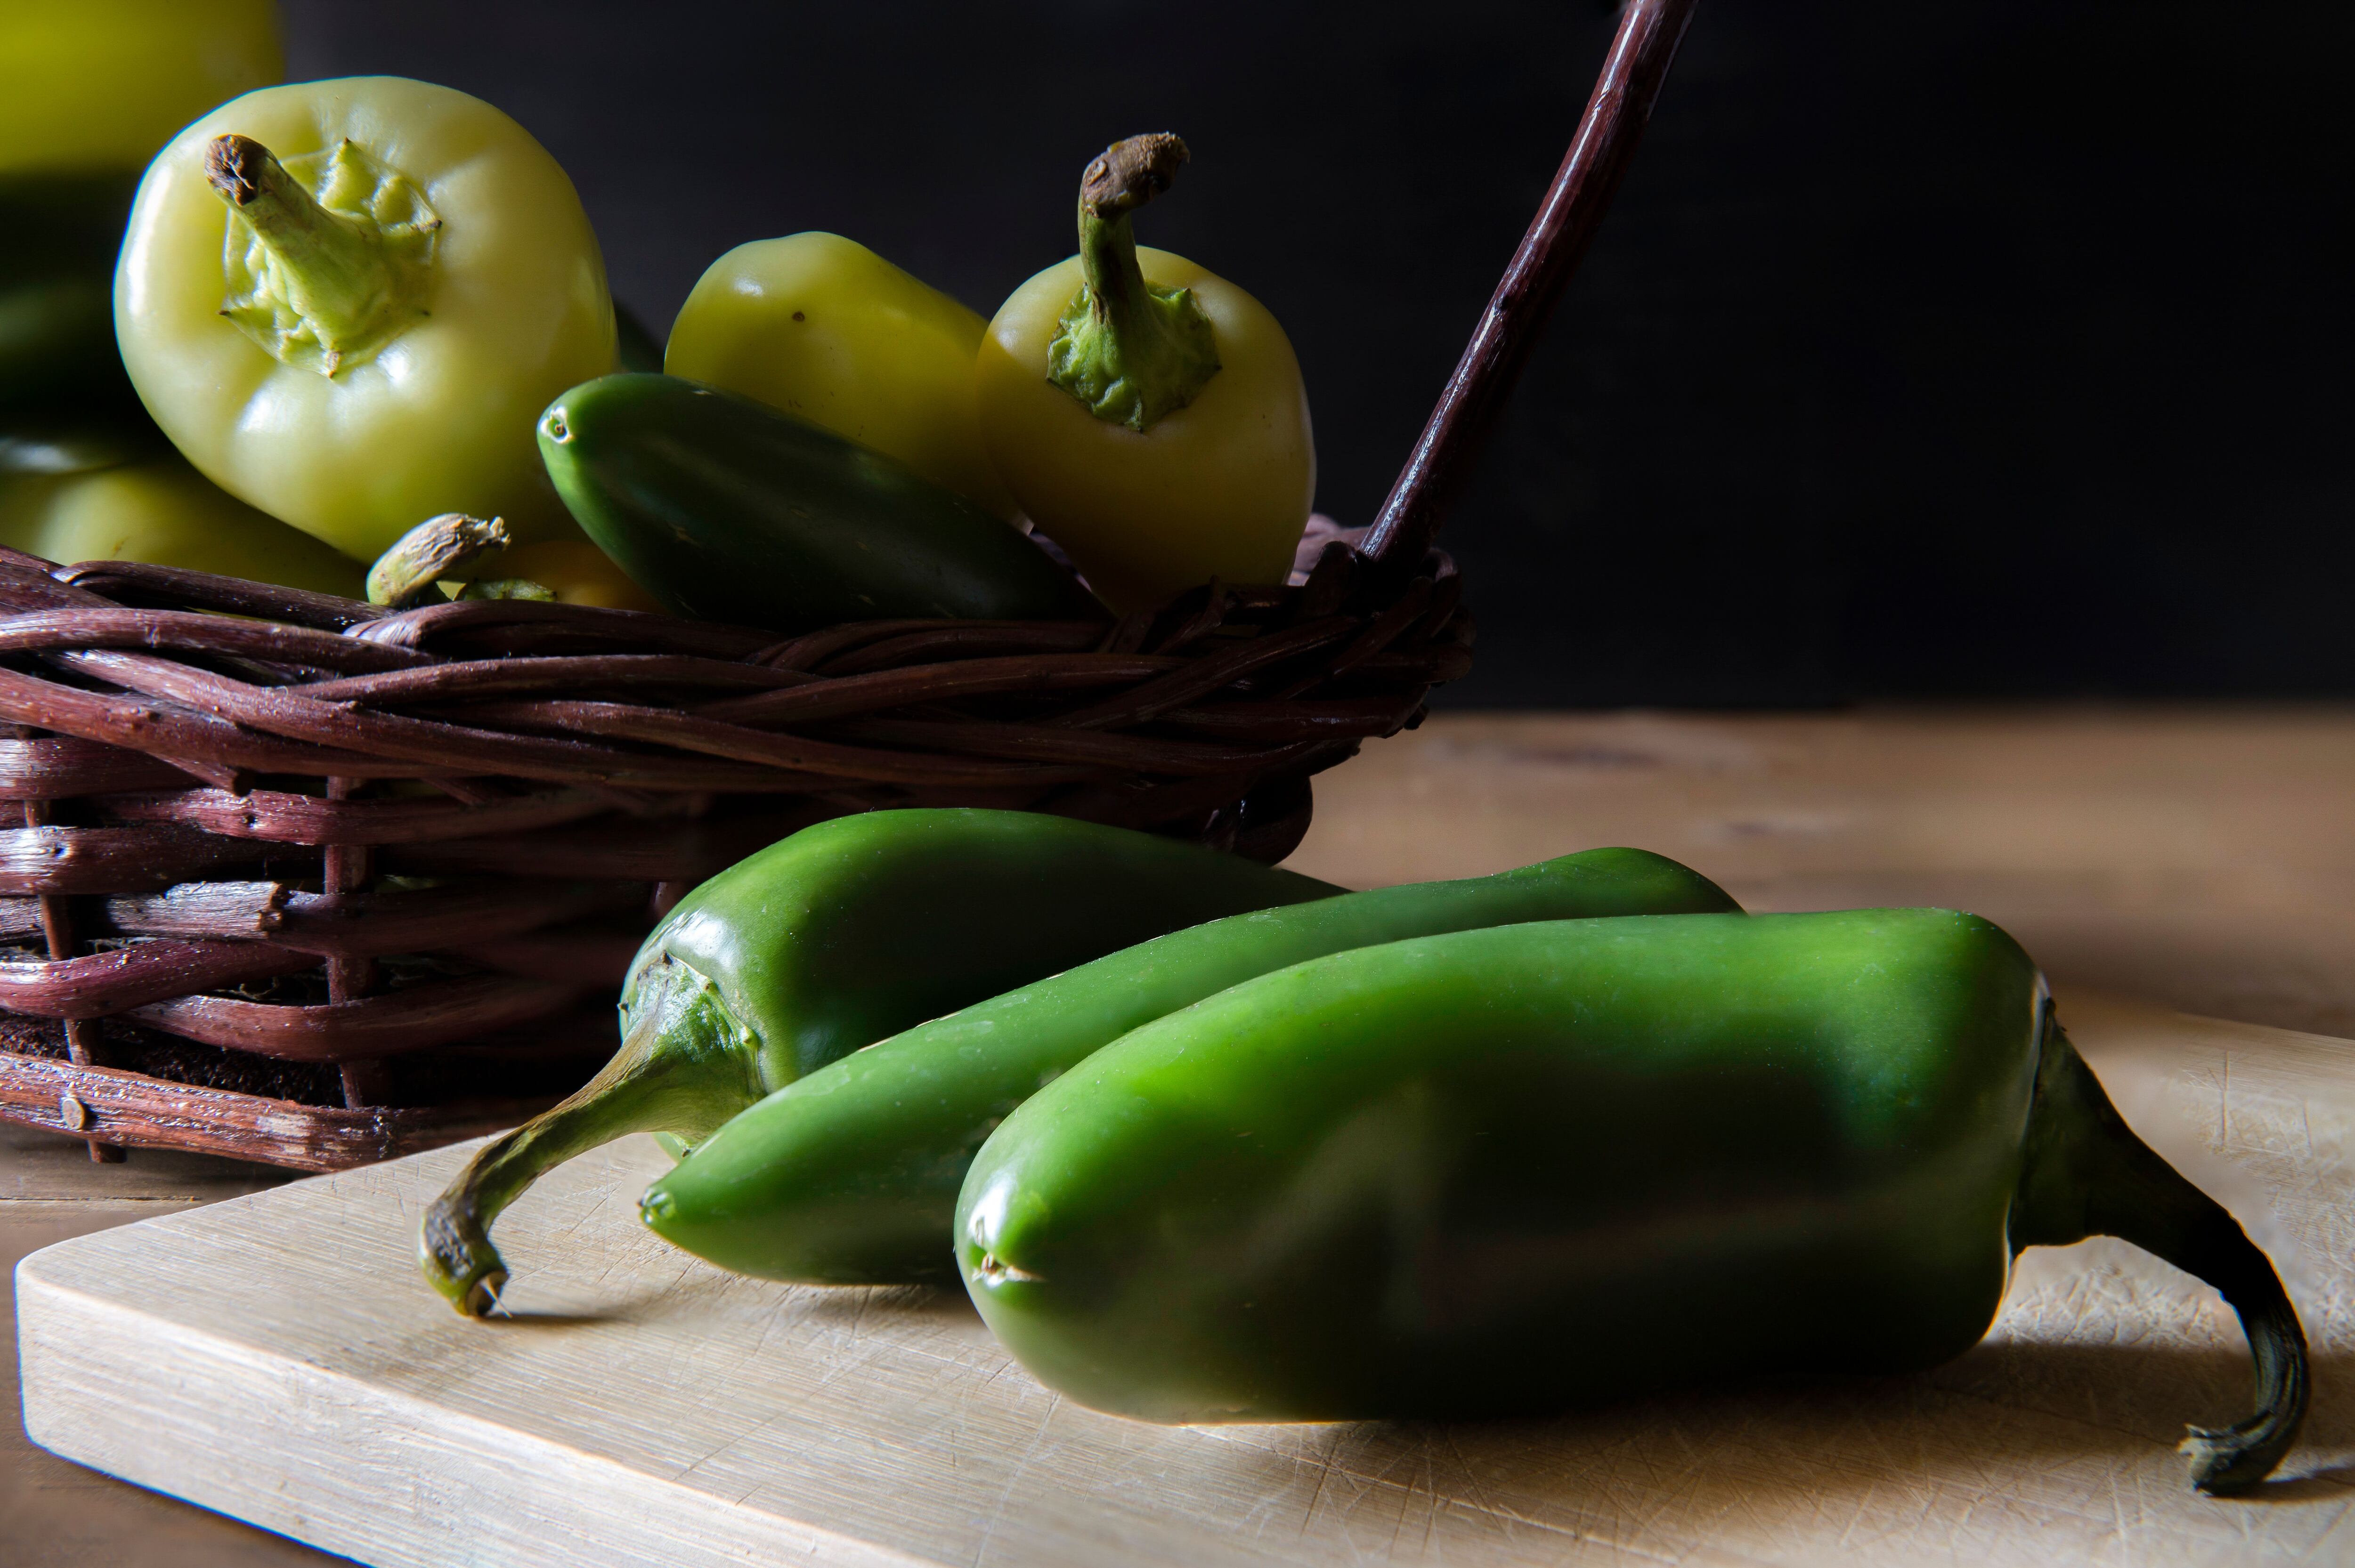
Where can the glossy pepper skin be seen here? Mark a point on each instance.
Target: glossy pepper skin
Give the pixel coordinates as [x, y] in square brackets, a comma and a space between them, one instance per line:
[1532, 1167]
[164, 513]
[347, 302]
[726, 509]
[848, 932]
[1187, 477]
[823, 329]
[850, 1175]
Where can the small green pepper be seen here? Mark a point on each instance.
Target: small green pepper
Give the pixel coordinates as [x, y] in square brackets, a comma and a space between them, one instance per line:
[1521, 1169]
[57, 297]
[846, 932]
[850, 1175]
[727, 509]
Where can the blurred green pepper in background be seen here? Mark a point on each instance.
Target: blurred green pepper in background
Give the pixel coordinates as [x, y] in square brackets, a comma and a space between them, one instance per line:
[89, 92]
[57, 313]
[102, 84]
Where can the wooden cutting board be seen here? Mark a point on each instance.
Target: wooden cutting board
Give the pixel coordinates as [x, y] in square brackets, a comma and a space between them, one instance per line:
[276, 1357]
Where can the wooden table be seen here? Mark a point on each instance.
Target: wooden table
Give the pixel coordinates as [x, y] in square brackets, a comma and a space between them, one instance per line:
[2205, 860]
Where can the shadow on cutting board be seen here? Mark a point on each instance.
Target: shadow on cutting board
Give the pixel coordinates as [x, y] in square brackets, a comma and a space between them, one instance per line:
[2007, 1416]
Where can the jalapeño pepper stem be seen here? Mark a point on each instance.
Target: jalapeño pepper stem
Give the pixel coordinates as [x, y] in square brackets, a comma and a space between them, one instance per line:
[2085, 1173]
[1131, 351]
[686, 1068]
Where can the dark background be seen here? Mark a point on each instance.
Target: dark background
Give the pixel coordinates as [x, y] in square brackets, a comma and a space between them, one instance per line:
[1975, 349]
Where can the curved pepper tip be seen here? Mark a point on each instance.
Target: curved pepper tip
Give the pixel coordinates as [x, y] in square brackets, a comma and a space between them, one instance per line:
[2221, 1464]
[2230, 1460]
[459, 1261]
[1131, 171]
[234, 167]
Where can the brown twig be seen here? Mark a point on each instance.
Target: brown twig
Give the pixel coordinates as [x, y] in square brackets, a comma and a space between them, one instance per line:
[118, 979]
[289, 819]
[409, 1020]
[1436, 471]
[115, 859]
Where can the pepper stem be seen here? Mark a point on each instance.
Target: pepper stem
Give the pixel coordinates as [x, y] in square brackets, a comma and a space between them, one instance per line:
[1128, 350]
[428, 553]
[320, 281]
[684, 1067]
[2087, 1174]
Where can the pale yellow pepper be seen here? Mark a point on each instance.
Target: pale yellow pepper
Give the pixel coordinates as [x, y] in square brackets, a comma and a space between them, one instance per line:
[825, 329]
[166, 514]
[1153, 422]
[347, 302]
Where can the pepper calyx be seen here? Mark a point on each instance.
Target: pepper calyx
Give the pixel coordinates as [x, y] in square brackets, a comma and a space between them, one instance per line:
[328, 256]
[1130, 352]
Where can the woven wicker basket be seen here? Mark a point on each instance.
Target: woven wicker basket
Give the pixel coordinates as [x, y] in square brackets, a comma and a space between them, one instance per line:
[302, 882]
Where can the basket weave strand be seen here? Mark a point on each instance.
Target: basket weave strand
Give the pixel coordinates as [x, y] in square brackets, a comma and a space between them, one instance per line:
[215, 779]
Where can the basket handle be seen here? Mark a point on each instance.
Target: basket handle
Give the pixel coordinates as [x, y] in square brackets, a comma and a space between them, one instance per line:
[1649, 32]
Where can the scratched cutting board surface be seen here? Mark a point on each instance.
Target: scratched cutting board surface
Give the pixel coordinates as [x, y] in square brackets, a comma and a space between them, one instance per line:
[277, 1358]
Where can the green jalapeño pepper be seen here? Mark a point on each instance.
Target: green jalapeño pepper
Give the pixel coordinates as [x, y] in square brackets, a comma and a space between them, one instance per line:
[726, 509]
[1520, 1168]
[850, 1175]
[846, 932]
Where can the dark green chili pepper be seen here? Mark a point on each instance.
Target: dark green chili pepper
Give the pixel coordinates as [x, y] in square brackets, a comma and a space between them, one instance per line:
[1520, 1168]
[850, 1175]
[57, 358]
[728, 510]
[843, 933]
